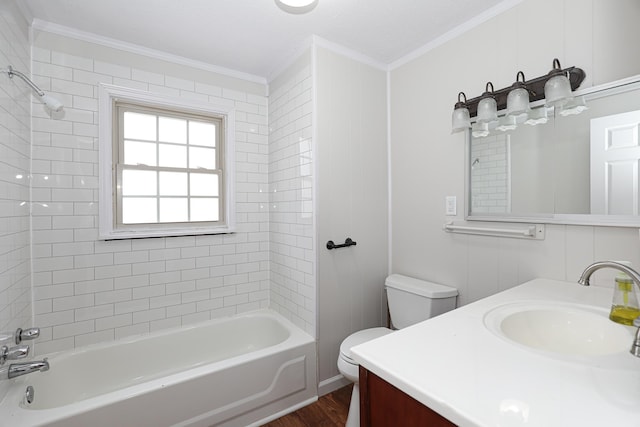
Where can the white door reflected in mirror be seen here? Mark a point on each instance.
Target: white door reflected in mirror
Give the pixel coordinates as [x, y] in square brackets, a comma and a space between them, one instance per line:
[615, 155]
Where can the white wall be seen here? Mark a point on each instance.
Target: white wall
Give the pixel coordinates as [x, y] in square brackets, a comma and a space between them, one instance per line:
[291, 225]
[352, 201]
[15, 108]
[87, 290]
[428, 162]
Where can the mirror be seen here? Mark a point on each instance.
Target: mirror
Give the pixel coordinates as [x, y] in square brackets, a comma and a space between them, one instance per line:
[573, 169]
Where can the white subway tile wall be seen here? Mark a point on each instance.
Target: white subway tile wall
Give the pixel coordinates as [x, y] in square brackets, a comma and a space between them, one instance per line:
[87, 290]
[490, 180]
[293, 289]
[15, 109]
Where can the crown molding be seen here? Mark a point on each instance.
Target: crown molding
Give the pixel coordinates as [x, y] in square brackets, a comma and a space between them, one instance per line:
[317, 41]
[290, 59]
[314, 40]
[456, 32]
[73, 33]
[350, 53]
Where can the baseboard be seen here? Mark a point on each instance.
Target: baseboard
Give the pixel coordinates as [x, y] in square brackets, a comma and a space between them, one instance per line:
[331, 384]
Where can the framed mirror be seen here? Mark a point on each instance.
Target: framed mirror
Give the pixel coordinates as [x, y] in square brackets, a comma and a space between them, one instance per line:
[574, 169]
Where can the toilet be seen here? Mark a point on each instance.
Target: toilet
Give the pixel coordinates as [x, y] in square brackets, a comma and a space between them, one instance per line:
[410, 301]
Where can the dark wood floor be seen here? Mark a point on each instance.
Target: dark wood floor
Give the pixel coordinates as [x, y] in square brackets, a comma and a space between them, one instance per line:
[329, 411]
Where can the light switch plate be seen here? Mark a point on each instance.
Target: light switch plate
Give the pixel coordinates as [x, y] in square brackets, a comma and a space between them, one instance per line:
[451, 208]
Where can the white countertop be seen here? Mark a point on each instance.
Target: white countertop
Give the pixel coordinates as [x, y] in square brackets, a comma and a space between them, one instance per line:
[456, 366]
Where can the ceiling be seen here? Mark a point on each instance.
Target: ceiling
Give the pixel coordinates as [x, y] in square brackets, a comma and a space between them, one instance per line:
[255, 36]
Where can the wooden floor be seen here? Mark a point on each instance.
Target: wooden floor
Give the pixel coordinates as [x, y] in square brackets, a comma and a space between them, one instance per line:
[329, 411]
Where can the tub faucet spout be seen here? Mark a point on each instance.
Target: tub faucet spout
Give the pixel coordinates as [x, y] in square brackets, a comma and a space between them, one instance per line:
[18, 369]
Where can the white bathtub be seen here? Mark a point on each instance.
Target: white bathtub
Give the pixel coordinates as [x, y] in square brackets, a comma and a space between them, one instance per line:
[237, 371]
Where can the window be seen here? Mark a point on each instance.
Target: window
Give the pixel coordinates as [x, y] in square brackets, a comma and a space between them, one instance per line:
[166, 168]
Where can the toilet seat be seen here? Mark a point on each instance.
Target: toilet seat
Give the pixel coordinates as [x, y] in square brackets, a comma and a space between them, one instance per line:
[357, 338]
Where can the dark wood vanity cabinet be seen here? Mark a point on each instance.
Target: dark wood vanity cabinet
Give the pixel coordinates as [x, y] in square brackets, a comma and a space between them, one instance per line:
[383, 405]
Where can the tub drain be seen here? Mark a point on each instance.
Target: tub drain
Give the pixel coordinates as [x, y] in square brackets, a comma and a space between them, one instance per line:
[29, 394]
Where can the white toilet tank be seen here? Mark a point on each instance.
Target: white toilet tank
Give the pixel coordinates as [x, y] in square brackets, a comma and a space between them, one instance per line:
[414, 300]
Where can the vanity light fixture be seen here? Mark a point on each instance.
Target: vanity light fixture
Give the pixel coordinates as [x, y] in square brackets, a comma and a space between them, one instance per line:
[555, 87]
[297, 6]
[480, 130]
[518, 98]
[49, 101]
[576, 106]
[507, 123]
[460, 120]
[487, 106]
[538, 116]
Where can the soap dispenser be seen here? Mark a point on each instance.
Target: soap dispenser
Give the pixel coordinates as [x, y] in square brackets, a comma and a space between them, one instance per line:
[624, 308]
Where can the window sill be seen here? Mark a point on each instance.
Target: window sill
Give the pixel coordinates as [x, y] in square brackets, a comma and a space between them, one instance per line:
[165, 232]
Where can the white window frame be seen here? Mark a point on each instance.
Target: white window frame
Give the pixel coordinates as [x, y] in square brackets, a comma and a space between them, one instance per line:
[107, 229]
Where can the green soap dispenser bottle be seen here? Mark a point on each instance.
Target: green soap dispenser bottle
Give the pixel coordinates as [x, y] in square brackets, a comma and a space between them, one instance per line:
[625, 307]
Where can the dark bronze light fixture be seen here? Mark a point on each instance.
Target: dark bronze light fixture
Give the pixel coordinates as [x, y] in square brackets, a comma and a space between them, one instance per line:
[557, 86]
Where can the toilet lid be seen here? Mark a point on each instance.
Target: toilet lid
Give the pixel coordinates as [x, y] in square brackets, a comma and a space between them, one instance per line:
[360, 337]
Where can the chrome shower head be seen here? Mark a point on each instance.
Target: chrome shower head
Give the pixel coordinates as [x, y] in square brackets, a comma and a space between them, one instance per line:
[49, 101]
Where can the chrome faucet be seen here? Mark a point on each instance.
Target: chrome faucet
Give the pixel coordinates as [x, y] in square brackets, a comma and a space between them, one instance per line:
[18, 369]
[26, 334]
[19, 335]
[586, 274]
[13, 353]
[635, 276]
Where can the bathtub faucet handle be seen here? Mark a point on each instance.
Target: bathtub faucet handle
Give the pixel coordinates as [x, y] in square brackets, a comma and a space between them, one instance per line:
[13, 353]
[27, 334]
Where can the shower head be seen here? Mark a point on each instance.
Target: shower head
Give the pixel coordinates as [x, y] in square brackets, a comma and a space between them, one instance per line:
[49, 101]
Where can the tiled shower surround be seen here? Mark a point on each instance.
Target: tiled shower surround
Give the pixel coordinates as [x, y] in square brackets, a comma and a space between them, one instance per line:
[15, 103]
[87, 290]
[293, 290]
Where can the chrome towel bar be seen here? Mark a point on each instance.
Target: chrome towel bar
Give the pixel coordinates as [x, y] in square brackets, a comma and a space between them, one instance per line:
[532, 231]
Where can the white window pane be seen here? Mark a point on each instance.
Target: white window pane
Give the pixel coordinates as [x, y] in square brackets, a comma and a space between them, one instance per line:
[138, 210]
[201, 133]
[139, 183]
[139, 126]
[173, 130]
[204, 210]
[139, 153]
[204, 184]
[173, 184]
[173, 210]
[173, 156]
[202, 158]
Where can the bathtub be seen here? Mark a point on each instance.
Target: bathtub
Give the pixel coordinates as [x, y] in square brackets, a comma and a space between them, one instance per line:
[238, 371]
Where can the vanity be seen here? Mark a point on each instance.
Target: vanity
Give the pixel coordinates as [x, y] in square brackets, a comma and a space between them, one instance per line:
[543, 353]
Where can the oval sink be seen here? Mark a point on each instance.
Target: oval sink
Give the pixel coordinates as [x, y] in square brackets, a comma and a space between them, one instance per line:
[569, 329]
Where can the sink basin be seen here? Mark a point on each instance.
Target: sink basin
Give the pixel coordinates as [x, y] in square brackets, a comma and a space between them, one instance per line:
[565, 329]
